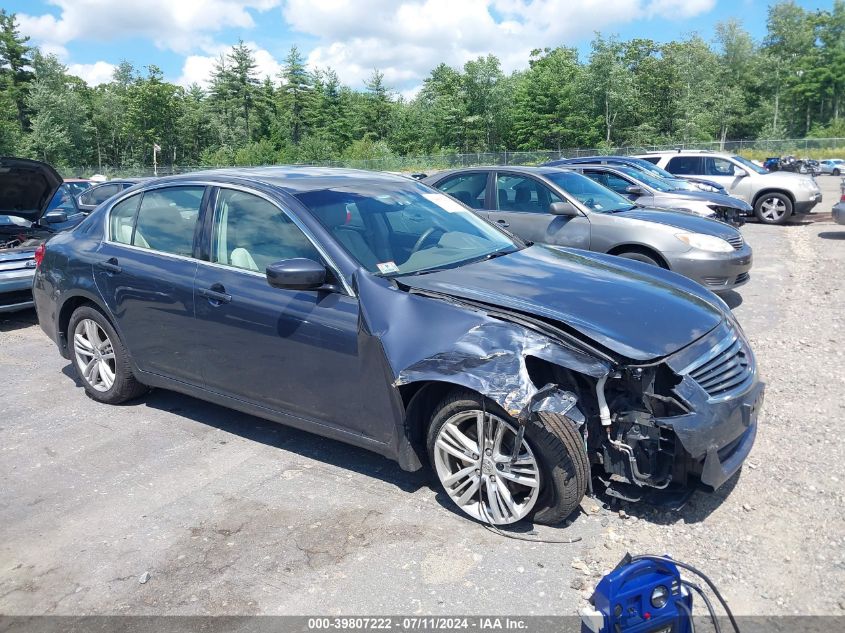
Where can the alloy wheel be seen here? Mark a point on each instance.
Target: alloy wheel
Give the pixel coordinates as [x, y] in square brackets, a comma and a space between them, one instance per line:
[473, 459]
[94, 355]
[773, 209]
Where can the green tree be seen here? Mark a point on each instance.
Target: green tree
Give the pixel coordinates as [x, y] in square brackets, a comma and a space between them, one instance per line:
[15, 63]
[296, 94]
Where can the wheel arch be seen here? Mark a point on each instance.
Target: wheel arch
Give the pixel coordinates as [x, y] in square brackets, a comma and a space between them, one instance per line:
[634, 247]
[68, 306]
[771, 190]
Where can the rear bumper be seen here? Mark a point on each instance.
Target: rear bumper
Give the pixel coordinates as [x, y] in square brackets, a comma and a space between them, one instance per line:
[16, 290]
[718, 272]
[839, 213]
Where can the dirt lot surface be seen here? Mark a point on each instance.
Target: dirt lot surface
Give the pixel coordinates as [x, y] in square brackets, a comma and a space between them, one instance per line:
[172, 506]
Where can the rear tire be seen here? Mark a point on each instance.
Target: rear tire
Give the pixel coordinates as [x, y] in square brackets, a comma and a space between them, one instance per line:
[773, 208]
[100, 359]
[552, 461]
[836, 172]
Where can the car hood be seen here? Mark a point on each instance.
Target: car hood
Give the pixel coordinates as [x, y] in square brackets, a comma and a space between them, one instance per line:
[711, 198]
[788, 178]
[632, 309]
[26, 187]
[679, 220]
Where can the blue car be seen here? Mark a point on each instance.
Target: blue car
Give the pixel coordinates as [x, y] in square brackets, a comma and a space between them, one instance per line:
[34, 205]
[378, 311]
[640, 164]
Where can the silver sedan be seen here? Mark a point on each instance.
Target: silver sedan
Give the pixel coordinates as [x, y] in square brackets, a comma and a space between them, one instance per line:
[552, 206]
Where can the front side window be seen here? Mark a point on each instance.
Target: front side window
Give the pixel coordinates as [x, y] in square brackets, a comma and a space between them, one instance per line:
[122, 219]
[685, 165]
[167, 219]
[747, 164]
[96, 195]
[468, 188]
[404, 227]
[611, 181]
[589, 193]
[251, 233]
[520, 193]
[714, 166]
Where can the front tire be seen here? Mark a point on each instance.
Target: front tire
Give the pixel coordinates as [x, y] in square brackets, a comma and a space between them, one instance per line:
[773, 208]
[836, 172]
[546, 482]
[99, 358]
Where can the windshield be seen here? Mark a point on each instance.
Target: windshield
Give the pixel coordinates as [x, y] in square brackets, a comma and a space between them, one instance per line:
[747, 163]
[589, 193]
[658, 184]
[392, 229]
[62, 200]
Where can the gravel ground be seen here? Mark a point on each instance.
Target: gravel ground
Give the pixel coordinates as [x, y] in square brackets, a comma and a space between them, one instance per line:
[173, 506]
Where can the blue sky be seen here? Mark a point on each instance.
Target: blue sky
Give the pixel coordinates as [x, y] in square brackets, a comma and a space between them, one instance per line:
[403, 38]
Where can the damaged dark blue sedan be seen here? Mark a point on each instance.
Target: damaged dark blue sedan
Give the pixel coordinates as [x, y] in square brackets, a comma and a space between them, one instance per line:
[373, 309]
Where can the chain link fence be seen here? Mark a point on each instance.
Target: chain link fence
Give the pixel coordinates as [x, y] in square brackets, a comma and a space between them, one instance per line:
[758, 149]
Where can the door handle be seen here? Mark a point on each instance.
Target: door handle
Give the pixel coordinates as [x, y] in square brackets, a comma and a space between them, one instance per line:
[503, 223]
[110, 265]
[215, 295]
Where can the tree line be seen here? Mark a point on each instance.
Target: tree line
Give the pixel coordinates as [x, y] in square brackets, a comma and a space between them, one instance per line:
[635, 92]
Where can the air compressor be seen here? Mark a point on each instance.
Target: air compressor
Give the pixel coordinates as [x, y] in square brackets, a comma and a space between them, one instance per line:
[646, 594]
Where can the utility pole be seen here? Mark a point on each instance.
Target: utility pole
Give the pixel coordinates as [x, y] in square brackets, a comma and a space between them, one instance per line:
[156, 150]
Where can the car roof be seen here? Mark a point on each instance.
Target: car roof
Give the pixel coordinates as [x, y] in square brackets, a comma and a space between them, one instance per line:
[518, 169]
[293, 179]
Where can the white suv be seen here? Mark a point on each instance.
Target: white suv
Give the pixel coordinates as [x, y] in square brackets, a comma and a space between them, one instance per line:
[775, 196]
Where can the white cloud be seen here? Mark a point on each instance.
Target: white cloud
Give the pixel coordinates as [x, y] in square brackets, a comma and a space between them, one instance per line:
[197, 69]
[93, 74]
[405, 40]
[179, 25]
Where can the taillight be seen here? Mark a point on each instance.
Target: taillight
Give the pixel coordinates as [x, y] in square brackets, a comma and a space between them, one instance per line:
[842, 197]
[39, 254]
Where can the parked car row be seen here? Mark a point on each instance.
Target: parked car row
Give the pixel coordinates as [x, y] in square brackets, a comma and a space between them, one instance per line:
[380, 311]
[775, 196]
[551, 205]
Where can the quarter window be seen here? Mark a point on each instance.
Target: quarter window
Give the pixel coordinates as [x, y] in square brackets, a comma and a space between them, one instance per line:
[518, 193]
[122, 219]
[252, 233]
[167, 219]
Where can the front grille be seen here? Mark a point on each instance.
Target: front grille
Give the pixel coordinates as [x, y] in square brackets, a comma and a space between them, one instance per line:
[726, 368]
[736, 241]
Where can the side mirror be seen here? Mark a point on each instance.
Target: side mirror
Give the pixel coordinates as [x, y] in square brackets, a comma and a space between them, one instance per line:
[634, 190]
[739, 172]
[55, 217]
[563, 208]
[296, 274]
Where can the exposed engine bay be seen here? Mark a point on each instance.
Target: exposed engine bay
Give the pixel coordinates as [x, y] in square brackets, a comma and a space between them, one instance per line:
[14, 236]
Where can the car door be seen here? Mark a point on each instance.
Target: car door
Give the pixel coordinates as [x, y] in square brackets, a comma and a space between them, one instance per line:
[144, 271]
[291, 351]
[520, 203]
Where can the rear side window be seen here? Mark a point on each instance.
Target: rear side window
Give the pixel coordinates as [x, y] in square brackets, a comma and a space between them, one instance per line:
[685, 165]
[468, 188]
[167, 219]
[123, 218]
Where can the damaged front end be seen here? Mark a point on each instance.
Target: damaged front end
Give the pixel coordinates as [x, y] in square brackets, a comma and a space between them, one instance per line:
[661, 426]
